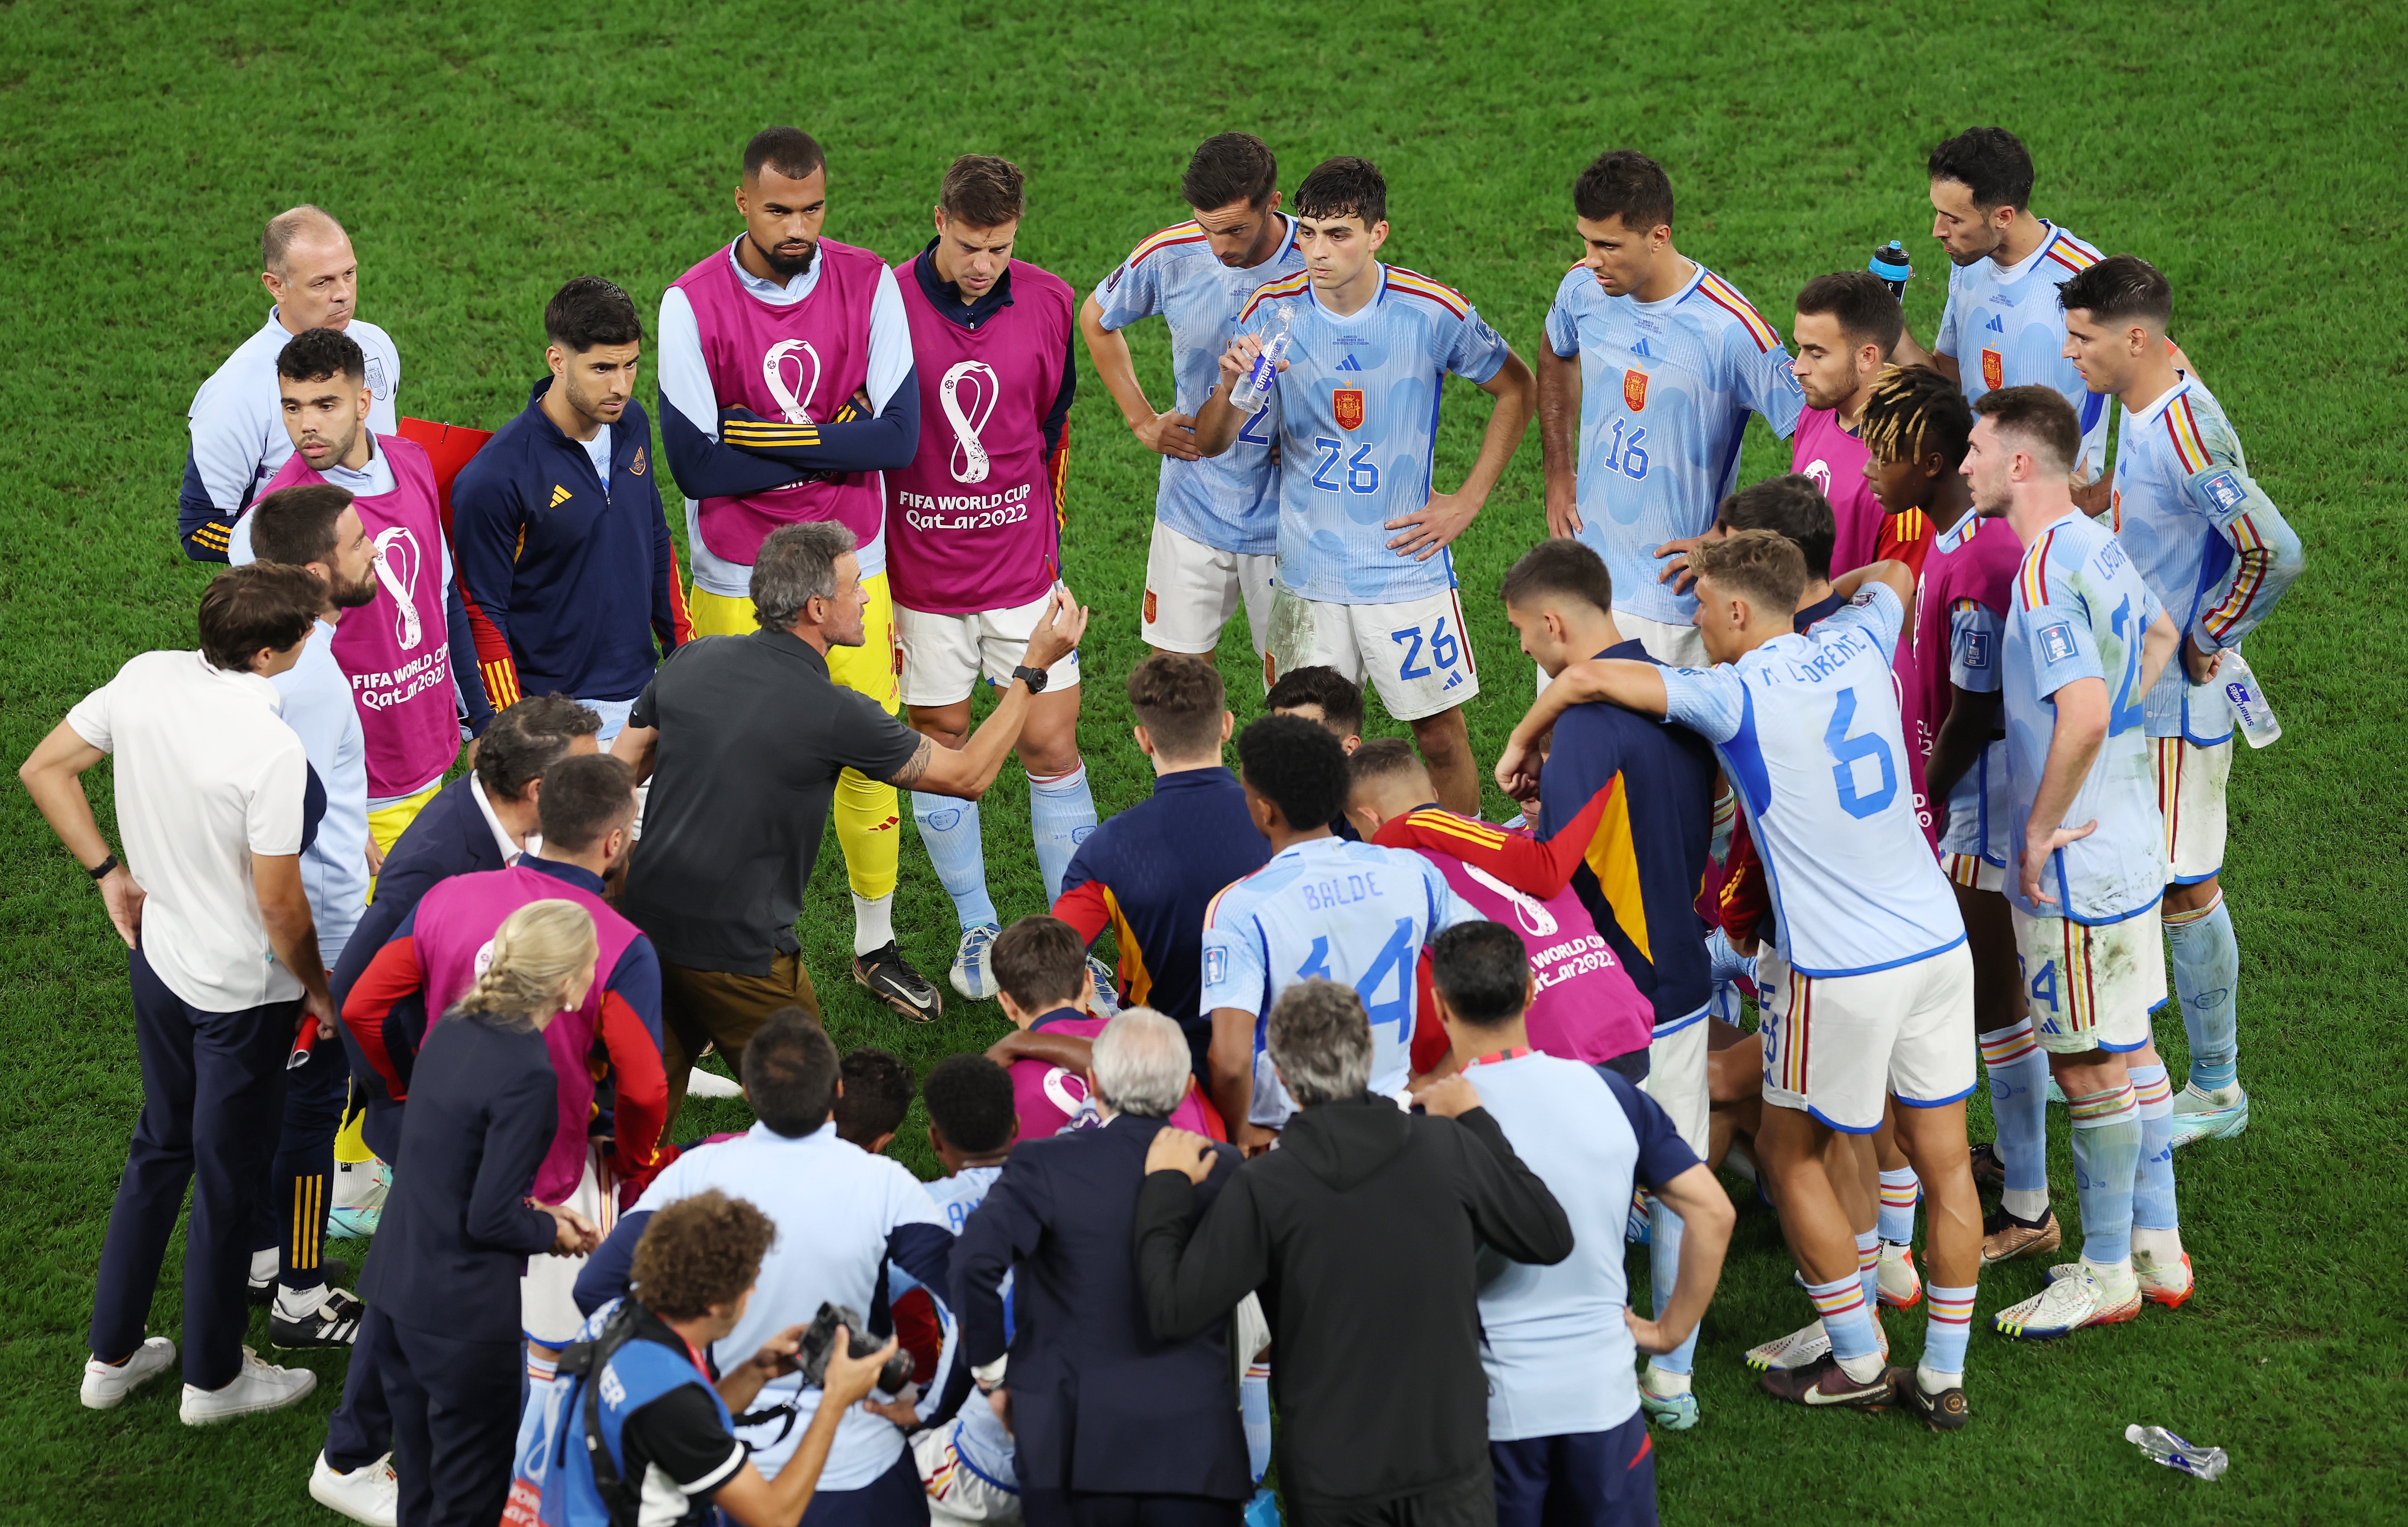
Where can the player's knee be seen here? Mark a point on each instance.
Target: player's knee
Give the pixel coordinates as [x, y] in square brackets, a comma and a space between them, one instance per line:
[2197, 897]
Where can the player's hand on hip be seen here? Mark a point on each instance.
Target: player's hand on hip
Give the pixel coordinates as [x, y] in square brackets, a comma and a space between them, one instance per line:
[2038, 851]
[1676, 571]
[1449, 1097]
[1650, 1335]
[1171, 434]
[1179, 1150]
[1057, 635]
[1563, 512]
[123, 899]
[2201, 667]
[1430, 531]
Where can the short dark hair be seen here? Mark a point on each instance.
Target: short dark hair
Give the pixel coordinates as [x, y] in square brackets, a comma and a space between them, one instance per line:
[1916, 413]
[2119, 286]
[2040, 415]
[528, 738]
[1764, 565]
[1341, 698]
[878, 1090]
[698, 1252]
[1343, 187]
[982, 191]
[591, 311]
[1296, 766]
[969, 1098]
[585, 796]
[316, 354]
[1867, 309]
[1482, 969]
[1227, 167]
[791, 152]
[1626, 184]
[1791, 506]
[265, 604]
[1989, 162]
[296, 525]
[1563, 567]
[1382, 758]
[1041, 962]
[1179, 700]
[790, 1071]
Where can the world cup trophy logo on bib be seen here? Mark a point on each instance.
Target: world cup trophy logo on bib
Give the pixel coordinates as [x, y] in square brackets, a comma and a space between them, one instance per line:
[398, 562]
[969, 461]
[793, 401]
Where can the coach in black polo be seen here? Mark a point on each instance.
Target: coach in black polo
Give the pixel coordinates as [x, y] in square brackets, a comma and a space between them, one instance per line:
[743, 738]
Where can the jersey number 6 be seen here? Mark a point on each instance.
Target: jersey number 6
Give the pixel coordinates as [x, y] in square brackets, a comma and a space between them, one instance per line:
[1845, 750]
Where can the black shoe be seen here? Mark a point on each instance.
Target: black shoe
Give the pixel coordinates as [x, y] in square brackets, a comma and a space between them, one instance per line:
[334, 1269]
[1943, 1412]
[1988, 1170]
[336, 1322]
[892, 980]
[1824, 1385]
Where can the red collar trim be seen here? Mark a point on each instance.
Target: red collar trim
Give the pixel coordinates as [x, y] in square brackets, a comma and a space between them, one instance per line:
[1516, 1053]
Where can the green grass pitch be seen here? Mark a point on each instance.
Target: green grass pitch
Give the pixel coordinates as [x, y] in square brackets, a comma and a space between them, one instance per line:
[482, 153]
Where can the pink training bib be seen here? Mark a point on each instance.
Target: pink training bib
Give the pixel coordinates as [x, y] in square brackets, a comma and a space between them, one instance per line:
[1585, 1007]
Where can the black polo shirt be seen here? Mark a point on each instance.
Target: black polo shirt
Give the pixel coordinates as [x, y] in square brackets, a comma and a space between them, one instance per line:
[752, 734]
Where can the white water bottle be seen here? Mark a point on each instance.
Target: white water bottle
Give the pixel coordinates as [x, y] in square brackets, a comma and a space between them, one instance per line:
[1255, 385]
[2247, 698]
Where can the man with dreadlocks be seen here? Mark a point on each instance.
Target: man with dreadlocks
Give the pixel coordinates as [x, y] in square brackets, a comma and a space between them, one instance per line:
[1915, 426]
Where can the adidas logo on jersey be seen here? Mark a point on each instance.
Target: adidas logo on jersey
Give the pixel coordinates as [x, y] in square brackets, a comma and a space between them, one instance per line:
[1994, 326]
[1641, 349]
[559, 495]
[1349, 364]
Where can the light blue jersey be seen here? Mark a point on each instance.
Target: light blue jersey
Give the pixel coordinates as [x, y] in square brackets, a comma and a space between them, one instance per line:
[1666, 389]
[1807, 728]
[2079, 612]
[319, 708]
[1976, 817]
[2004, 329]
[1355, 417]
[1230, 502]
[978, 1436]
[1351, 912]
[2208, 541]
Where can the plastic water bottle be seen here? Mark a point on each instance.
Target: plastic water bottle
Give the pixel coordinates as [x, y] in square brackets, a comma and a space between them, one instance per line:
[2247, 698]
[1255, 385]
[2174, 1453]
[1889, 263]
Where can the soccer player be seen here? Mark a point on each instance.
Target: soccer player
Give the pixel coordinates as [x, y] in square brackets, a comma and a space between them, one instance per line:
[1866, 984]
[1365, 583]
[1657, 361]
[557, 523]
[1637, 801]
[1215, 519]
[2217, 554]
[785, 389]
[238, 439]
[1847, 326]
[975, 546]
[1329, 701]
[2002, 327]
[398, 651]
[2085, 641]
[1354, 913]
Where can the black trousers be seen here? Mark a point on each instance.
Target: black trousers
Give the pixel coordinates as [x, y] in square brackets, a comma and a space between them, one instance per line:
[455, 1420]
[1469, 1501]
[1096, 1508]
[212, 1083]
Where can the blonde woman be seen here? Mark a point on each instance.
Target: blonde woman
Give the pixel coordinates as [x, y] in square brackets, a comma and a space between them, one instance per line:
[443, 1283]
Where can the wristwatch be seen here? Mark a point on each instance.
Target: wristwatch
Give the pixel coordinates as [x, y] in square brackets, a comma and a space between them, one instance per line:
[1033, 677]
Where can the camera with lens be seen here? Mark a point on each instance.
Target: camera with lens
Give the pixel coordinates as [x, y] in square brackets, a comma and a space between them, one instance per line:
[818, 1342]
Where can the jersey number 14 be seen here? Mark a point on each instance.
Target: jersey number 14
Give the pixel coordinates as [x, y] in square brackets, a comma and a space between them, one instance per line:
[1396, 959]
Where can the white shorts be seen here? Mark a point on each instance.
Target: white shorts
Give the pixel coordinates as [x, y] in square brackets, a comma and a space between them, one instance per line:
[944, 655]
[1192, 589]
[2191, 795]
[1676, 646]
[1974, 872]
[548, 1311]
[1416, 654]
[614, 714]
[956, 1492]
[1837, 1046]
[1676, 1079]
[2091, 985]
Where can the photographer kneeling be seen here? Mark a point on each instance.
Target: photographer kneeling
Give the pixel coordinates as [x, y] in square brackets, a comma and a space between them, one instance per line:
[667, 1451]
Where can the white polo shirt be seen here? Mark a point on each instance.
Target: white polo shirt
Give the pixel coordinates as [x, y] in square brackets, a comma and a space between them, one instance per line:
[208, 775]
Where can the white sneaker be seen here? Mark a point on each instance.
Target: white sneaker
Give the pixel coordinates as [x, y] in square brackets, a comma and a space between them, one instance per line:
[259, 1386]
[1803, 1348]
[105, 1386]
[710, 1084]
[370, 1494]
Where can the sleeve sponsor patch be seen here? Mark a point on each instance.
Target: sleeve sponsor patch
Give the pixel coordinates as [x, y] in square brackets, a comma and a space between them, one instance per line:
[2224, 490]
[1975, 653]
[2057, 643]
[1216, 967]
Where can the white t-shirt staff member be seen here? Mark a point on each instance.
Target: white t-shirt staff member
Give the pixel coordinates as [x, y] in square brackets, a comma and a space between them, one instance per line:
[213, 798]
[238, 439]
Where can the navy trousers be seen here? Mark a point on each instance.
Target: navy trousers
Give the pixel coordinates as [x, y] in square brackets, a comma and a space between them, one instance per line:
[212, 1083]
[1582, 1479]
[893, 1499]
[360, 1431]
[1094, 1508]
[291, 1213]
[455, 1420]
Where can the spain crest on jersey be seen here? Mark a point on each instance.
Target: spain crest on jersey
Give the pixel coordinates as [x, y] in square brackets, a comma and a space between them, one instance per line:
[1347, 404]
[1994, 370]
[1634, 390]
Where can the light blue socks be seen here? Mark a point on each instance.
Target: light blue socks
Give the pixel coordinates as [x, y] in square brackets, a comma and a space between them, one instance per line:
[1061, 813]
[949, 830]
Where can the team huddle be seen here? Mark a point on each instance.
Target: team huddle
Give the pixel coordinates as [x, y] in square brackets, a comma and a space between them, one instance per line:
[1918, 751]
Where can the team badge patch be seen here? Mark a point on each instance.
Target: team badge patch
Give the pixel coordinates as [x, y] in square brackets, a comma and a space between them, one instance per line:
[640, 463]
[1977, 650]
[1347, 403]
[2055, 643]
[1151, 606]
[1634, 390]
[2224, 491]
[1216, 966]
[1994, 370]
